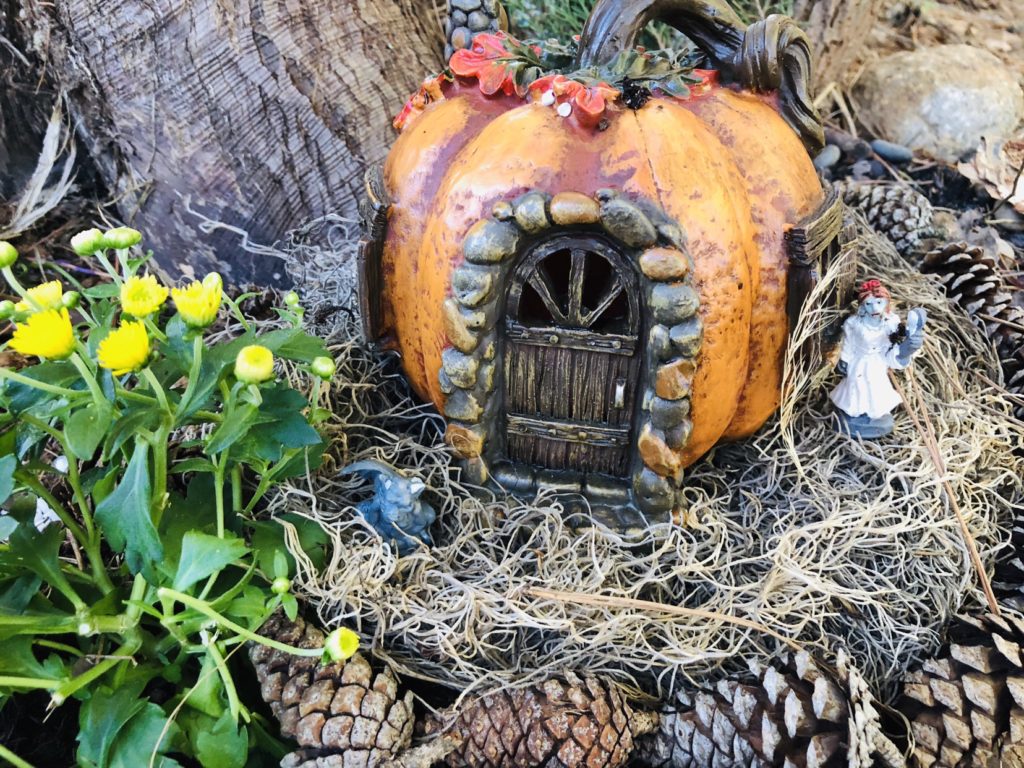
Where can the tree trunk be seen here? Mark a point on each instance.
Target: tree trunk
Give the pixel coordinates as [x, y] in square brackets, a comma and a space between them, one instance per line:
[839, 31]
[260, 114]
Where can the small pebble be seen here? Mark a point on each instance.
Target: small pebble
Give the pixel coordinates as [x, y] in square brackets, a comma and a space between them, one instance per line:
[894, 153]
[877, 169]
[861, 170]
[828, 157]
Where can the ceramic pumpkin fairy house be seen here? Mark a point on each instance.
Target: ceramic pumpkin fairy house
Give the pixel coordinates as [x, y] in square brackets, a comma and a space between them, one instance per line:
[589, 256]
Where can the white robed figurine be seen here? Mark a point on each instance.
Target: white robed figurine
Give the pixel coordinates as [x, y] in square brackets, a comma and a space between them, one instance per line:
[872, 345]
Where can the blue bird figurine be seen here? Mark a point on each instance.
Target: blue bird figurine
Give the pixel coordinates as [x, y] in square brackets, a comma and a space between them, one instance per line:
[395, 510]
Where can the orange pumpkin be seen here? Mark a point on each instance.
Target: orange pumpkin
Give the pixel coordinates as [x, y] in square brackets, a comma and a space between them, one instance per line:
[683, 196]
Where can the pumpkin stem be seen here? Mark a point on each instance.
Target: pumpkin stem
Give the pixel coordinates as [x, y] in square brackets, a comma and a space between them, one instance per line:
[773, 54]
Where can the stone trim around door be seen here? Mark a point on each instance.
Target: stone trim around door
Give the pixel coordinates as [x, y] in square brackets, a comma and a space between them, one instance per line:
[670, 314]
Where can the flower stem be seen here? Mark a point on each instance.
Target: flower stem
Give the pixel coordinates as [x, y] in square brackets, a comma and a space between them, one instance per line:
[18, 288]
[12, 758]
[94, 388]
[91, 540]
[193, 374]
[6, 373]
[102, 256]
[234, 705]
[161, 396]
[206, 610]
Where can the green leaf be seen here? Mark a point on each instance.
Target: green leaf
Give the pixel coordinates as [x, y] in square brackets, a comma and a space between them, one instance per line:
[203, 555]
[145, 734]
[36, 551]
[193, 464]
[101, 719]
[86, 429]
[20, 397]
[126, 427]
[7, 525]
[234, 427]
[290, 605]
[126, 519]
[205, 695]
[223, 746]
[18, 593]
[294, 344]
[18, 660]
[8, 464]
[102, 291]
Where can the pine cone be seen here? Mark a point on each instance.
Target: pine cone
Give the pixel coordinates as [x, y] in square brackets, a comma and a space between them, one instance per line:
[342, 714]
[897, 211]
[797, 715]
[966, 705]
[558, 724]
[973, 280]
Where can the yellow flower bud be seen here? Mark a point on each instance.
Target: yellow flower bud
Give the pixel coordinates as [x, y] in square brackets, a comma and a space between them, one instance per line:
[47, 334]
[121, 238]
[44, 296]
[197, 303]
[8, 254]
[341, 644]
[254, 364]
[323, 367]
[88, 242]
[125, 350]
[142, 296]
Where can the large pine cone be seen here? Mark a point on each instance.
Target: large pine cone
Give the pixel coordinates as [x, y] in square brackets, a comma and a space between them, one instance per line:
[342, 714]
[973, 280]
[896, 211]
[798, 715]
[966, 705]
[565, 723]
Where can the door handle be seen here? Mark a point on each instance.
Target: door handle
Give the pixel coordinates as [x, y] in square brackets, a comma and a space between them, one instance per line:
[620, 393]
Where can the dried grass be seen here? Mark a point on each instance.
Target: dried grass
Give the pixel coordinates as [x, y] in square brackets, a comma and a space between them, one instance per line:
[824, 540]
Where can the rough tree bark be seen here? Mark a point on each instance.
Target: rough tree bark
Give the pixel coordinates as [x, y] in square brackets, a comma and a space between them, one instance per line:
[260, 114]
[839, 32]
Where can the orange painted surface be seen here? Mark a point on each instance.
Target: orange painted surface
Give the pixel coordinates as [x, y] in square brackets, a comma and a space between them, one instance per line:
[724, 165]
[780, 180]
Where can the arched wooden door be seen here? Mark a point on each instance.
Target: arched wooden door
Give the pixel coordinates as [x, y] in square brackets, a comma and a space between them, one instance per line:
[572, 346]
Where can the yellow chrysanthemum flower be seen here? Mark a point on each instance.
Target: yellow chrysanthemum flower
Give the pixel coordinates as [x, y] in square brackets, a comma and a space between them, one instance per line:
[46, 296]
[197, 302]
[126, 349]
[254, 364]
[142, 296]
[45, 334]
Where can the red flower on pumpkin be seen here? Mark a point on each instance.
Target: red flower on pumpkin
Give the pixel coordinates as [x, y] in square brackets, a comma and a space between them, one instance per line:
[588, 102]
[488, 60]
[430, 91]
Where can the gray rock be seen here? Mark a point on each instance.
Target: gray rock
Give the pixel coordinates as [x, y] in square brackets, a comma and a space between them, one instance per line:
[653, 493]
[465, 5]
[687, 336]
[459, 19]
[531, 215]
[627, 222]
[940, 100]
[666, 414]
[673, 302]
[828, 157]
[461, 369]
[489, 242]
[472, 287]
[463, 406]
[894, 153]
[461, 37]
[479, 21]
